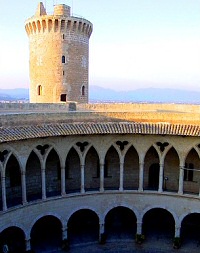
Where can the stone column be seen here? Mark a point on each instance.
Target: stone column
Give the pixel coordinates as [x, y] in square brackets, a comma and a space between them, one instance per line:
[141, 177]
[63, 191]
[64, 233]
[181, 175]
[121, 181]
[139, 228]
[101, 177]
[161, 172]
[177, 231]
[3, 188]
[82, 178]
[23, 179]
[102, 238]
[28, 244]
[43, 182]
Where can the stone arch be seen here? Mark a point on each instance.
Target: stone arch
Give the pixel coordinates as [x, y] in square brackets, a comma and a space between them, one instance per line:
[14, 238]
[191, 178]
[33, 177]
[72, 171]
[158, 222]
[83, 226]
[190, 229]
[171, 170]
[46, 233]
[120, 223]
[111, 169]
[53, 173]
[13, 181]
[151, 169]
[131, 169]
[92, 170]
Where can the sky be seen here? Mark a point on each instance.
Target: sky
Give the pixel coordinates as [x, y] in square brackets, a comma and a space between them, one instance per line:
[135, 43]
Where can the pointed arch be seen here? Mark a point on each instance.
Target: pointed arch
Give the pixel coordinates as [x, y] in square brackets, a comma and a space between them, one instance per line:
[92, 170]
[111, 169]
[191, 173]
[151, 169]
[171, 170]
[53, 174]
[131, 169]
[33, 177]
[13, 182]
[72, 172]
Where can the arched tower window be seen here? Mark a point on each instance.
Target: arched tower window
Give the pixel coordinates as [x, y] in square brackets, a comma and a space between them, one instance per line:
[39, 91]
[63, 59]
[83, 91]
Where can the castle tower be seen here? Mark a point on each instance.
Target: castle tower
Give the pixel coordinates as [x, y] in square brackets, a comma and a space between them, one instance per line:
[59, 51]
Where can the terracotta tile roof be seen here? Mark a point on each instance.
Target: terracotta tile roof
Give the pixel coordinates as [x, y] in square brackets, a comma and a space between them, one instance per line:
[16, 133]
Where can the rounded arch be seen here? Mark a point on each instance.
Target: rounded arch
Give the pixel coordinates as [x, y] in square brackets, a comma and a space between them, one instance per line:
[14, 238]
[151, 169]
[159, 222]
[46, 233]
[131, 169]
[92, 170]
[83, 226]
[111, 169]
[190, 228]
[83, 89]
[120, 223]
[171, 170]
[72, 171]
[33, 177]
[53, 173]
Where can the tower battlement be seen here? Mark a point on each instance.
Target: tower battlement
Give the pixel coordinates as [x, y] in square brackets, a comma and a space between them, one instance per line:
[59, 52]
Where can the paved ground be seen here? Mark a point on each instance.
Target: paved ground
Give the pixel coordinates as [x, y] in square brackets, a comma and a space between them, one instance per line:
[155, 246]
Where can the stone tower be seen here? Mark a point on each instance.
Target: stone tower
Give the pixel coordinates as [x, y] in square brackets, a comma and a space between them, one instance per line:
[59, 51]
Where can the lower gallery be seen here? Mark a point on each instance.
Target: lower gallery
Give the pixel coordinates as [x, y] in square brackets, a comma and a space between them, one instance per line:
[95, 173]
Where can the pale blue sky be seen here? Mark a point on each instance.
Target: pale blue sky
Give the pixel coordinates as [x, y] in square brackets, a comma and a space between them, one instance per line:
[135, 43]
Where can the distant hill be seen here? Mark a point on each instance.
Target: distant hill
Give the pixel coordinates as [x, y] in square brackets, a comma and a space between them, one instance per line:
[14, 94]
[144, 95]
[99, 94]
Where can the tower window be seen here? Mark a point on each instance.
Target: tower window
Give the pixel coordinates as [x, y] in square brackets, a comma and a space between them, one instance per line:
[39, 91]
[83, 91]
[63, 59]
[63, 36]
[63, 97]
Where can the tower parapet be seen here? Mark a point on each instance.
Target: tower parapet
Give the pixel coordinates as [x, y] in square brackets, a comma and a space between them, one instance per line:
[59, 52]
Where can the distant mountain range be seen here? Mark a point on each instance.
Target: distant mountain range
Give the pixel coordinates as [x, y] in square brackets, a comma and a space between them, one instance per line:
[99, 94]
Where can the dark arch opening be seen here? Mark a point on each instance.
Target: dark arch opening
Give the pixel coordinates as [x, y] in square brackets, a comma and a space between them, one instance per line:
[92, 170]
[190, 229]
[83, 227]
[151, 170]
[72, 172]
[171, 171]
[83, 91]
[46, 234]
[154, 176]
[53, 174]
[33, 178]
[14, 238]
[191, 176]
[158, 223]
[131, 169]
[13, 182]
[120, 223]
[111, 169]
